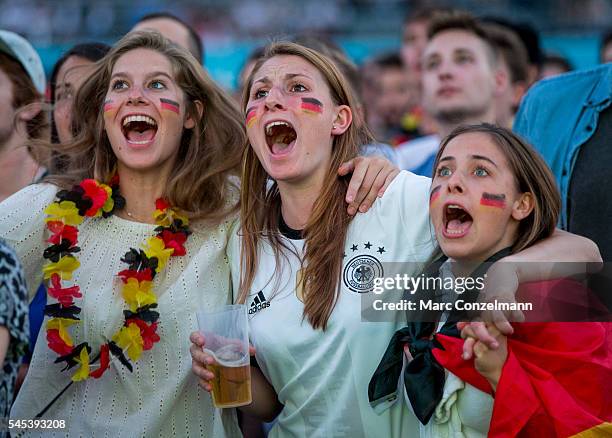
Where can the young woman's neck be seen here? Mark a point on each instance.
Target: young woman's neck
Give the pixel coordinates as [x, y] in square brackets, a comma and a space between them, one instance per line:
[140, 191]
[297, 202]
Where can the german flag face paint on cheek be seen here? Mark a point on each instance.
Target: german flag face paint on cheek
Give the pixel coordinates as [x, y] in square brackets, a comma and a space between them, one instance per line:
[109, 106]
[493, 200]
[169, 105]
[434, 195]
[251, 115]
[310, 105]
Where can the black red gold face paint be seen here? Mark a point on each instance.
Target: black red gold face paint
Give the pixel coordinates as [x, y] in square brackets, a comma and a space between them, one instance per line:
[434, 195]
[170, 105]
[311, 105]
[493, 200]
[251, 115]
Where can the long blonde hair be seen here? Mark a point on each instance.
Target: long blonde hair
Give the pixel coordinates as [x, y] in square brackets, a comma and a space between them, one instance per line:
[207, 155]
[326, 229]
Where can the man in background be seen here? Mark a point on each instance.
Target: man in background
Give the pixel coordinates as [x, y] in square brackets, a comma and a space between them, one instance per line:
[22, 88]
[461, 80]
[397, 93]
[512, 60]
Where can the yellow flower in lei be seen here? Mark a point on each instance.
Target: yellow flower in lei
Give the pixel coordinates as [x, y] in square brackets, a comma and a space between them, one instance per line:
[64, 211]
[110, 202]
[64, 268]
[83, 371]
[165, 215]
[155, 247]
[129, 338]
[60, 324]
[138, 294]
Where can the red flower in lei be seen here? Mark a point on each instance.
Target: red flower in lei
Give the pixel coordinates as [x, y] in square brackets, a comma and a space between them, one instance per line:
[139, 331]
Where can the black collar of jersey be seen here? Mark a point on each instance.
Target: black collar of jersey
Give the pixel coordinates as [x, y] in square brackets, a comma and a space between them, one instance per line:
[287, 231]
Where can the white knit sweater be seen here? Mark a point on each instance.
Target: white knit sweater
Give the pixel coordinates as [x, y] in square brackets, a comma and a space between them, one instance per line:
[161, 397]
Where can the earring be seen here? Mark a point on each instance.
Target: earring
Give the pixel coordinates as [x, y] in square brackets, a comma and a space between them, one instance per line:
[333, 126]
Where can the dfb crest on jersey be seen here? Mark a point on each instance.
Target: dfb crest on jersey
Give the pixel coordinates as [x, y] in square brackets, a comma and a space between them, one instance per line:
[360, 272]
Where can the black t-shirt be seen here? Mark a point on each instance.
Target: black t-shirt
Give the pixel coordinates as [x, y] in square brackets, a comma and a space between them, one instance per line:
[590, 192]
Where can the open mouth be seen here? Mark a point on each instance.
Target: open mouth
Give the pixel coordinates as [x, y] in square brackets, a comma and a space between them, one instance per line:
[280, 136]
[139, 128]
[457, 221]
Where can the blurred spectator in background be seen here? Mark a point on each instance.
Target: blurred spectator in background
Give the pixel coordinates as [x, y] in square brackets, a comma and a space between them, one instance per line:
[13, 328]
[397, 93]
[69, 72]
[461, 81]
[554, 64]
[512, 61]
[22, 87]
[531, 41]
[176, 30]
[605, 51]
[414, 40]
[246, 69]
[368, 75]
[414, 36]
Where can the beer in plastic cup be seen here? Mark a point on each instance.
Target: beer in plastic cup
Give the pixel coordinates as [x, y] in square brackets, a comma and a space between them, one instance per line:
[226, 339]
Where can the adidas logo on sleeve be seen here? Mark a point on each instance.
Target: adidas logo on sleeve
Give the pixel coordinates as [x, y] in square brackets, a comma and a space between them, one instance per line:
[259, 302]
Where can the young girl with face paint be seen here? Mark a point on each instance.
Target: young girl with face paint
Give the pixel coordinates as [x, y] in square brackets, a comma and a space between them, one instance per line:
[303, 266]
[492, 195]
[131, 242]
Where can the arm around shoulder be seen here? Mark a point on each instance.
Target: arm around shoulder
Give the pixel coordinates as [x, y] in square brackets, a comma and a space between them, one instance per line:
[560, 255]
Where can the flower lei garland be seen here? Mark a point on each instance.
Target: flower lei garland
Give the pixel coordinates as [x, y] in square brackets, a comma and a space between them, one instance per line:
[139, 331]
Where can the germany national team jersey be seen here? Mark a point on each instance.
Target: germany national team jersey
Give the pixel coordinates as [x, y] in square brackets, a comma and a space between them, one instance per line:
[321, 377]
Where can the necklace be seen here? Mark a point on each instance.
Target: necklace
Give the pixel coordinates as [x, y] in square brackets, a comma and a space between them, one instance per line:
[91, 199]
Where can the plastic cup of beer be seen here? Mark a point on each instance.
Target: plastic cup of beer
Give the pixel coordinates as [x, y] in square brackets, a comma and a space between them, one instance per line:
[226, 337]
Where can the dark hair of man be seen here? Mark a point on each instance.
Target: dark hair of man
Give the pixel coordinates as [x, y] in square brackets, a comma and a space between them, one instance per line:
[510, 47]
[425, 14]
[389, 60]
[196, 48]
[24, 93]
[461, 20]
[605, 41]
[527, 34]
[560, 61]
[92, 52]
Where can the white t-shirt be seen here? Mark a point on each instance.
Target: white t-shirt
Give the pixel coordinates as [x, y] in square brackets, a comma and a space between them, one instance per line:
[321, 377]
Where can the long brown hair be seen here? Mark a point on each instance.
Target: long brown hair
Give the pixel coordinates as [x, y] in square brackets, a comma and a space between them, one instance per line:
[531, 174]
[208, 153]
[326, 229]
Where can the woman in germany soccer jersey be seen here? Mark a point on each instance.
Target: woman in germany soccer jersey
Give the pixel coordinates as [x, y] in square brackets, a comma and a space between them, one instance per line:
[304, 267]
